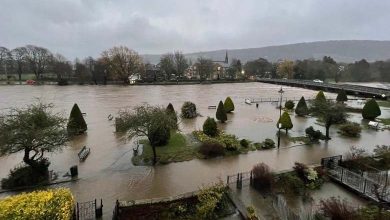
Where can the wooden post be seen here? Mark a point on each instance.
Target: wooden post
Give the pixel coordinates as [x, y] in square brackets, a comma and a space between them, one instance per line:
[251, 179]
[364, 186]
[227, 181]
[342, 174]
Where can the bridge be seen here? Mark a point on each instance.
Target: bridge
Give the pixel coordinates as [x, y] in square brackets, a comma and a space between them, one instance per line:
[356, 90]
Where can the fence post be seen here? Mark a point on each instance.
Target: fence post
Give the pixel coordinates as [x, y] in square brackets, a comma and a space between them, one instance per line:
[364, 186]
[342, 174]
[227, 180]
[251, 179]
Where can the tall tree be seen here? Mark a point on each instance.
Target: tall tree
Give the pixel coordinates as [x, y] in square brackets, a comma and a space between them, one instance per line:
[260, 67]
[38, 59]
[360, 71]
[123, 62]
[221, 113]
[167, 65]
[150, 121]
[33, 130]
[331, 113]
[286, 69]
[62, 68]
[181, 64]
[204, 67]
[5, 57]
[19, 56]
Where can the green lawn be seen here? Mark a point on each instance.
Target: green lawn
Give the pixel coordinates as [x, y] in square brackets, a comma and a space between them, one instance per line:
[178, 149]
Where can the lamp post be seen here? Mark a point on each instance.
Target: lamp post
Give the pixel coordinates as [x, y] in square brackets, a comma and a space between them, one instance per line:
[280, 114]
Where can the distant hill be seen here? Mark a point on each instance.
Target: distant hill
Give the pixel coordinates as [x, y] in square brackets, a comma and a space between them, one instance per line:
[342, 51]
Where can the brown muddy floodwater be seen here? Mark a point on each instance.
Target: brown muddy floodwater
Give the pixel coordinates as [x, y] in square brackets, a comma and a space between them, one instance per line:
[108, 172]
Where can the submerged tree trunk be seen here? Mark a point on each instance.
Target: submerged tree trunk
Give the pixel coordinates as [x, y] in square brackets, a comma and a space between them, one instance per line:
[154, 155]
[327, 127]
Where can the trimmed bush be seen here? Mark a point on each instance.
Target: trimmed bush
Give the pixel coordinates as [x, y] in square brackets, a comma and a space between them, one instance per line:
[314, 135]
[188, 110]
[302, 109]
[172, 113]
[268, 143]
[351, 129]
[262, 177]
[228, 105]
[285, 120]
[342, 96]
[49, 204]
[291, 184]
[221, 113]
[210, 127]
[76, 124]
[244, 143]
[320, 96]
[211, 149]
[371, 110]
[289, 105]
[27, 176]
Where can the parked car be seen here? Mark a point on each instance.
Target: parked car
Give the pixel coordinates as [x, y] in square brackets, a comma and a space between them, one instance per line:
[318, 81]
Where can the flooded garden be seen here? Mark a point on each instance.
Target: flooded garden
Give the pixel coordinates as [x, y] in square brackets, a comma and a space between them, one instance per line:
[109, 172]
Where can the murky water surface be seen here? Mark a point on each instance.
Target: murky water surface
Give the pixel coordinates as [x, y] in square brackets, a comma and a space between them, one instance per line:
[108, 173]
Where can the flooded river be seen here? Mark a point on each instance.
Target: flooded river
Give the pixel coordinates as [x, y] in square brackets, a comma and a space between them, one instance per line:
[108, 173]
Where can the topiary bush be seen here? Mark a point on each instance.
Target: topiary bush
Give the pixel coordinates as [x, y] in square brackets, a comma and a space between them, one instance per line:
[244, 143]
[76, 124]
[350, 129]
[210, 127]
[302, 109]
[342, 96]
[268, 144]
[221, 113]
[211, 149]
[320, 96]
[285, 120]
[314, 135]
[26, 176]
[371, 110]
[289, 105]
[172, 113]
[49, 204]
[228, 105]
[188, 110]
[263, 178]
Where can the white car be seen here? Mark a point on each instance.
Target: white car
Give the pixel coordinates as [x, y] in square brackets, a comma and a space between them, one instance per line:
[318, 81]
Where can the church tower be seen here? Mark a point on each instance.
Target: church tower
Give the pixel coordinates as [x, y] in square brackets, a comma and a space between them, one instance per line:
[226, 58]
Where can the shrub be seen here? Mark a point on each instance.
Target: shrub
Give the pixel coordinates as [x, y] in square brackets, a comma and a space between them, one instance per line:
[27, 176]
[302, 109]
[314, 135]
[76, 124]
[350, 129]
[371, 110]
[320, 96]
[228, 105]
[291, 184]
[251, 213]
[342, 96]
[268, 143]
[48, 204]
[211, 201]
[221, 113]
[300, 170]
[289, 105]
[230, 141]
[210, 127]
[188, 110]
[244, 143]
[335, 208]
[285, 120]
[262, 177]
[172, 113]
[160, 135]
[211, 149]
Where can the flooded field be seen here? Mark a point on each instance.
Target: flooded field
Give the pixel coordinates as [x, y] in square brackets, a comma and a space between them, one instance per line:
[108, 172]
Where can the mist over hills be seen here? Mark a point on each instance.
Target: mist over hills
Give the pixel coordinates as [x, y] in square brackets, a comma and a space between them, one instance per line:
[342, 51]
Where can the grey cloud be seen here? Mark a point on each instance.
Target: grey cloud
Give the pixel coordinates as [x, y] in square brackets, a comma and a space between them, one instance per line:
[78, 28]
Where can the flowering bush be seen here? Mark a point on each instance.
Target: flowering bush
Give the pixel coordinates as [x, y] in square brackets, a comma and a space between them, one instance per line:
[54, 204]
[228, 141]
[311, 174]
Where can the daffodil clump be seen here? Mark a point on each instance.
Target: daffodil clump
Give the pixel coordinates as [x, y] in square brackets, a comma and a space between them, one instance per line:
[56, 204]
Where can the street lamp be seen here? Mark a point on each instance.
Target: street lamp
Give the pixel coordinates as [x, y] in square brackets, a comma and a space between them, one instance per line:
[280, 114]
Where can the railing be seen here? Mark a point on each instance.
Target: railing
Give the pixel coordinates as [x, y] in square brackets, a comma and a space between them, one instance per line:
[89, 210]
[371, 185]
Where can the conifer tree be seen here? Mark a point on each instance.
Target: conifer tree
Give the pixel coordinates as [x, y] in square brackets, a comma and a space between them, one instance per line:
[76, 124]
[229, 105]
[342, 96]
[210, 127]
[301, 108]
[285, 120]
[371, 110]
[221, 113]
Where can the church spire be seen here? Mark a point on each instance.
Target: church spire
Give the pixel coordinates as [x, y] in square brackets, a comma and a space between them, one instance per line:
[226, 58]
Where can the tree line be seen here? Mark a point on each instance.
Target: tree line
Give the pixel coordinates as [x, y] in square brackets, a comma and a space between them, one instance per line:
[119, 63]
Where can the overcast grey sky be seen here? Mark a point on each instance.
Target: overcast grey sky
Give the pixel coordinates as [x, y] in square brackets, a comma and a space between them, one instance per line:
[86, 27]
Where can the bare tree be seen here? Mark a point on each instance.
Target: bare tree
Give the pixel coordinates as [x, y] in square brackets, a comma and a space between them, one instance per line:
[123, 62]
[205, 67]
[62, 68]
[38, 59]
[167, 65]
[181, 63]
[19, 56]
[5, 57]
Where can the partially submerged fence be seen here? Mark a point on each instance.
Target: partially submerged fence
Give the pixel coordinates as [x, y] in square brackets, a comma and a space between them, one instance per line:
[372, 185]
